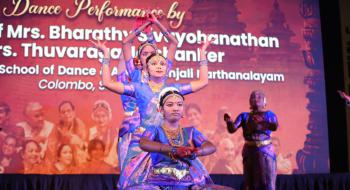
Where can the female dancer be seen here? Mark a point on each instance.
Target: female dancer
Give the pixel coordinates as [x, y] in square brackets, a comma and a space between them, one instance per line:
[259, 159]
[146, 93]
[135, 72]
[173, 149]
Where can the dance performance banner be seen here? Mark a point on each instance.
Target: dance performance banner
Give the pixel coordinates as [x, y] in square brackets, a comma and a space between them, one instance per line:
[53, 103]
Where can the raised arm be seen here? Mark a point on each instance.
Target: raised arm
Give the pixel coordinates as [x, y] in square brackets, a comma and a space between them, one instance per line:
[203, 69]
[121, 64]
[127, 42]
[107, 81]
[122, 73]
[173, 42]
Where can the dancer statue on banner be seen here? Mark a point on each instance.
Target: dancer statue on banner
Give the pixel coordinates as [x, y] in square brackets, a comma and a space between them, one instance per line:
[259, 159]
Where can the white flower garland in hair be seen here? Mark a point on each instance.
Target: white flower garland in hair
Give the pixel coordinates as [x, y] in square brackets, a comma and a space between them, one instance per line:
[163, 92]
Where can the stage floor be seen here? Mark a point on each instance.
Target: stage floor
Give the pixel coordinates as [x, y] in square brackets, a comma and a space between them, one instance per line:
[339, 181]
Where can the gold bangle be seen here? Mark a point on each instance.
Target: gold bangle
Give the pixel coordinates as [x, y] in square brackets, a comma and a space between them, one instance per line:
[106, 61]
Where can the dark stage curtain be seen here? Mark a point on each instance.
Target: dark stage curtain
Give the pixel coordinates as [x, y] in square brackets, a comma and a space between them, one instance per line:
[108, 182]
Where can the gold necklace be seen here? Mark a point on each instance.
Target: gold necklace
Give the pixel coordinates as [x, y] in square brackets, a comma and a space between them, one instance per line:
[155, 87]
[173, 135]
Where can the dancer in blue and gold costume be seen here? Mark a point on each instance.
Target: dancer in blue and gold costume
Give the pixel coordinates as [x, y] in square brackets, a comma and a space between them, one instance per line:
[259, 159]
[134, 70]
[174, 150]
[137, 162]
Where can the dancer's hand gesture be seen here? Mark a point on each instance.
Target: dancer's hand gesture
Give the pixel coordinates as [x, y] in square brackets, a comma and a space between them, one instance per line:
[206, 43]
[102, 47]
[151, 17]
[344, 95]
[227, 117]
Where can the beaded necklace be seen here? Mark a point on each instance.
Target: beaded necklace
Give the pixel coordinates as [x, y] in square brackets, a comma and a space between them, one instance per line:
[155, 87]
[175, 137]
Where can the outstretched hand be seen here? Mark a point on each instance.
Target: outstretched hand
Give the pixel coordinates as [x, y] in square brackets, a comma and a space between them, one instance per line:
[140, 21]
[229, 123]
[227, 117]
[344, 95]
[102, 47]
[206, 43]
[152, 18]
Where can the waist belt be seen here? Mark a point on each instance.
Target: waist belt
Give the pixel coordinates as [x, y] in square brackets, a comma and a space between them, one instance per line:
[179, 174]
[258, 143]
